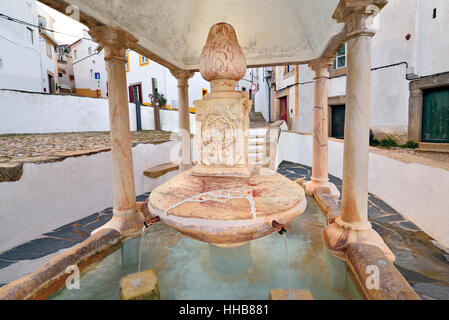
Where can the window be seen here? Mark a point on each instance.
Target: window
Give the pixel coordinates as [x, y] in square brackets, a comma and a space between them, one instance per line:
[48, 49]
[91, 74]
[1, 62]
[75, 54]
[204, 92]
[434, 15]
[289, 71]
[72, 77]
[89, 50]
[127, 62]
[143, 60]
[60, 74]
[340, 60]
[30, 35]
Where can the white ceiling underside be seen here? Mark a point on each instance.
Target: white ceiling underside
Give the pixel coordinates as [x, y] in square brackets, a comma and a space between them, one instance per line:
[270, 32]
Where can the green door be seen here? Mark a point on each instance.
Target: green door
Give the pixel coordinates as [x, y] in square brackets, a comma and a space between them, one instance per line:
[435, 116]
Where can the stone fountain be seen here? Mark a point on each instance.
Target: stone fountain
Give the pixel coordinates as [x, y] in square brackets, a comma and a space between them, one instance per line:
[224, 200]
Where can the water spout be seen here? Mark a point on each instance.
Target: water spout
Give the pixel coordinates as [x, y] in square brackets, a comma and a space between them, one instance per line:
[146, 225]
[279, 227]
[148, 222]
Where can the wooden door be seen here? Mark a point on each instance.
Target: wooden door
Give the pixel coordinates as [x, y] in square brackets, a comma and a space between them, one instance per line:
[283, 109]
[435, 116]
[51, 84]
[338, 122]
[135, 93]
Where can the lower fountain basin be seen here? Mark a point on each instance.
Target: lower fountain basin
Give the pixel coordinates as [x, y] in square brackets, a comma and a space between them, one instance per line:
[227, 210]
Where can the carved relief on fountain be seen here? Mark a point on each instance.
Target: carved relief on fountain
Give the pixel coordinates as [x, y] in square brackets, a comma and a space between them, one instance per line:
[222, 121]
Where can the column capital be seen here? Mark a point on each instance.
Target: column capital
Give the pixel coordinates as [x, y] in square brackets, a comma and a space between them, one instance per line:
[358, 16]
[114, 40]
[182, 74]
[321, 68]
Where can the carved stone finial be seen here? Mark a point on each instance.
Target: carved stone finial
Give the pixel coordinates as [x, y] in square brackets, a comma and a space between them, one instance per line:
[222, 58]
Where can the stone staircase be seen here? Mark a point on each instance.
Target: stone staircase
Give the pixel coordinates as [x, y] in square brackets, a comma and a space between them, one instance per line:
[256, 144]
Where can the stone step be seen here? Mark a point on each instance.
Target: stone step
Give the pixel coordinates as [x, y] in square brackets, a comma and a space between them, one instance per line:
[160, 170]
[256, 143]
[433, 147]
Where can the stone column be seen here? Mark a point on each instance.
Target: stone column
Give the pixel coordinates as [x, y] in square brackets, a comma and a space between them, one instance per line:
[415, 114]
[183, 77]
[320, 131]
[127, 220]
[353, 225]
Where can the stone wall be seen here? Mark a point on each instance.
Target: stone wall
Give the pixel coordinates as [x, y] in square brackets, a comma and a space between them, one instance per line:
[53, 194]
[22, 112]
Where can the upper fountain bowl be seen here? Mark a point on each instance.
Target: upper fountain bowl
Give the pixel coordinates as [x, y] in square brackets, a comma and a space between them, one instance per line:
[227, 210]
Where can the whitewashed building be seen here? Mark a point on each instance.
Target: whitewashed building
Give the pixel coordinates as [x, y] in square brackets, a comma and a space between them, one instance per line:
[90, 74]
[49, 58]
[20, 55]
[410, 65]
[28, 61]
[89, 68]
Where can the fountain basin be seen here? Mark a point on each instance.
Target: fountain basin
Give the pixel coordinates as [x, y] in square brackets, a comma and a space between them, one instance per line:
[227, 210]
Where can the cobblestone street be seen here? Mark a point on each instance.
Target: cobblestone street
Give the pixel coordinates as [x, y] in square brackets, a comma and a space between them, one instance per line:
[19, 148]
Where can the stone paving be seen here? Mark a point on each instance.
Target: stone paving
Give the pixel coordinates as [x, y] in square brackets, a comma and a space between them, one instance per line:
[37, 148]
[420, 259]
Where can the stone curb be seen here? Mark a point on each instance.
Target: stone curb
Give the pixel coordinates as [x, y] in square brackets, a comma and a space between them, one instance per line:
[49, 277]
[362, 259]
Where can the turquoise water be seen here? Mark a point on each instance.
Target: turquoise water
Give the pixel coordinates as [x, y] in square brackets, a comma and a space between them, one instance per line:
[190, 269]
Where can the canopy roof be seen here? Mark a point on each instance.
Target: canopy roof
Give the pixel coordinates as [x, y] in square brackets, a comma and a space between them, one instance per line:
[173, 32]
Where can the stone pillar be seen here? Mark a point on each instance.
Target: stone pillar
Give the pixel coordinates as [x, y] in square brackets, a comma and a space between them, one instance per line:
[320, 131]
[127, 220]
[353, 225]
[415, 114]
[183, 77]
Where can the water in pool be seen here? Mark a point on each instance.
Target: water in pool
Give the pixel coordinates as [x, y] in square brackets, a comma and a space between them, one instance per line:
[190, 269]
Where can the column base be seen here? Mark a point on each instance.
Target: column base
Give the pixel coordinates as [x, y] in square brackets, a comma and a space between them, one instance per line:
[129, 225]
[339, 234]
[312, 185]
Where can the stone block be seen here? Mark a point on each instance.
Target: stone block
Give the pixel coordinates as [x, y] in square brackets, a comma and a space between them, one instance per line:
[140, 286]
[294, 294]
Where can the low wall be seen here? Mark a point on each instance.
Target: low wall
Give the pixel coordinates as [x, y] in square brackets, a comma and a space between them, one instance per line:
[417, 191]
[22, 112]
[50, 195]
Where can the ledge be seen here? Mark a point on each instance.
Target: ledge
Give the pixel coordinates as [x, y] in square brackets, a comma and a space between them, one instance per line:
[160, 170]
[10, 172]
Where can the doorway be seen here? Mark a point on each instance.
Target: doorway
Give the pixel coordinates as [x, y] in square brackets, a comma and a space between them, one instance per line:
[338, 121]
[51, 83]
[283, 109]
[435, 116]
[135, 92]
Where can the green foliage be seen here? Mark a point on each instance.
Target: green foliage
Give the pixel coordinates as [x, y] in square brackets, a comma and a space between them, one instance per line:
[162, 101]
[374, 143]
[388, 142]
[410, 145]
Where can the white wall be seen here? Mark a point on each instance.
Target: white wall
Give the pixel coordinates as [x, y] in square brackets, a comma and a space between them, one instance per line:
[41, 113]
[417, 191]
[20, 68]
[433, 37]
[53, 194]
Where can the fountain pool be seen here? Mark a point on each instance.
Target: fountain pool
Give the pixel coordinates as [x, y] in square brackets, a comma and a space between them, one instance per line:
[191, 269]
